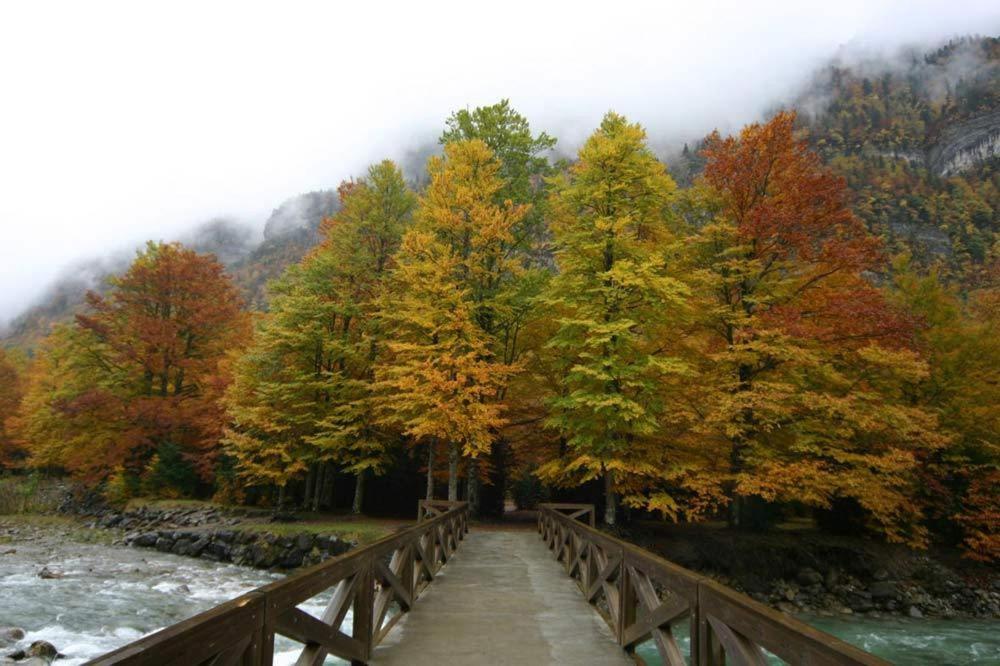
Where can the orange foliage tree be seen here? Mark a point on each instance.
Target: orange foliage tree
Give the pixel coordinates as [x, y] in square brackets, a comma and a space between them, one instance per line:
[138, 379]
[803, 388]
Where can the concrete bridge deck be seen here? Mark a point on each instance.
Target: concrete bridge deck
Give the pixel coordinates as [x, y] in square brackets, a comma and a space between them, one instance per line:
[502, 600]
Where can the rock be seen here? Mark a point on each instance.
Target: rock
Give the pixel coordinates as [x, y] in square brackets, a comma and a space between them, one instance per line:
[184, 589]
[146, 540]
[831, 579]
[225, 536]
[809, 577]
[41, 652]
[786, 607]
[263, 555]
[182, 547]
[11, 634]
[164, 544]
[293, 559]
[914, 612]
[217, 551]
[880, 574]
[48, 574]
[304, 542]
[9, 551]
[883, 590]
[198, 547]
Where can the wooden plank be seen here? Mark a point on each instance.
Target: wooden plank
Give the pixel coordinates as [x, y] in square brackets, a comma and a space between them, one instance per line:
[304, 628]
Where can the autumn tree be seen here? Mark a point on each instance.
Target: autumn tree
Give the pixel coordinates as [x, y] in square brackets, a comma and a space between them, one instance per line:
[523, 166]
[74, 412]
[804, 367]
[523, 174]
[134, 386]
[459, 211]
[610, 296]
[11, 389]
[960, 337]
[301, 403]
[437, 377]
[361, 242]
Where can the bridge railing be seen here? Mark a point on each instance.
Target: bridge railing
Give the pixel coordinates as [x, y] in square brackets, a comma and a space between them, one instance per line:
[377, 583]
[642, 596]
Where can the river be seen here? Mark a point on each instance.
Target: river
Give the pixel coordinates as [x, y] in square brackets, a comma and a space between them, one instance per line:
[107, 596]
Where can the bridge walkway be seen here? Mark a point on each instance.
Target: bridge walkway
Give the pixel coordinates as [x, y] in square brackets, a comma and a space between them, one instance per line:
[502, 600]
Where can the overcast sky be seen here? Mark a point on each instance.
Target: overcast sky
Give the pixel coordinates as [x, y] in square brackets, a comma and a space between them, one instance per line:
[121, 122]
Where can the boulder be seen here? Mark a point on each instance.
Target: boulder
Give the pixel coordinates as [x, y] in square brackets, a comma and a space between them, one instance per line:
[883, 590]
[145, 540]
[292, 559]
[11, 634]
[164, 544]
[199, 546]
[182, 547]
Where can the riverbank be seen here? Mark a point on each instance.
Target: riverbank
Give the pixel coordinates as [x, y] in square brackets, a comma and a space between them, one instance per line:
[801, 571]
[242, 536]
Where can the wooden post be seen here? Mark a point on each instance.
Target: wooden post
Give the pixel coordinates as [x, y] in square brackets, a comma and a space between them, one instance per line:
[626, 601]
[364, 600]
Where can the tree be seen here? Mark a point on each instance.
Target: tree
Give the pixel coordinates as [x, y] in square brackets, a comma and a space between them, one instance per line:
[960, 338]
[803, 362]
[611, 294]
[459, 212]
[436, 378]
[361, 242]
[302, 399]
[74, 412]
[142, 372]
[11, 390]
[522, 177]
[523, 166]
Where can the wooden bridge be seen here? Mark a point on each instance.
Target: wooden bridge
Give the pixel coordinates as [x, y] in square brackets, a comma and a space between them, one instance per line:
[569, 594]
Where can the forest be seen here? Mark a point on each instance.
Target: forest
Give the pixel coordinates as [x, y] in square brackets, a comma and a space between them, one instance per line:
[754, 342]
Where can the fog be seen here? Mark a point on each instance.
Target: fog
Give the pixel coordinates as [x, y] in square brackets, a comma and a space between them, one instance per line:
[121, 122]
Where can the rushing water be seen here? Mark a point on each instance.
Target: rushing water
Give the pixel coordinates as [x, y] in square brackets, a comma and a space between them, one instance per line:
[106, 596]
[109, 596]
[903, 641]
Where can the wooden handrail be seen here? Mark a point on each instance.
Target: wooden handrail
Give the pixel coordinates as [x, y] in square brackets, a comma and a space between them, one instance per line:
[642, 596]
[366, 581]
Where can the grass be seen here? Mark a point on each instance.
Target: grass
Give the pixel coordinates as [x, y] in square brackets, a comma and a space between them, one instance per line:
[362, 530]
[140, 502]
[71, 529]
[26, 495]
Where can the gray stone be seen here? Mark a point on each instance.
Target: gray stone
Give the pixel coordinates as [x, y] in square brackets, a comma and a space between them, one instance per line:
[304, 541]
[42, 650]
[181, 547]
[913, 611]
[884, 590]
[146, 540]
[11, 634]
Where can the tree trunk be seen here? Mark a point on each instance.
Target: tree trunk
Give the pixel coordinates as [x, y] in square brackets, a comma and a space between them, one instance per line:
[281, 498]
[321, 472]
[452, 472]
[472, 474]
[610, 499]
[430, 470]
[359, 493]
[327, 486]
[310, 484]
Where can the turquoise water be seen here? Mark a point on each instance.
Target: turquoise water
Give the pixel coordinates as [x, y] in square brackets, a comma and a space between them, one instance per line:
[903, 641]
